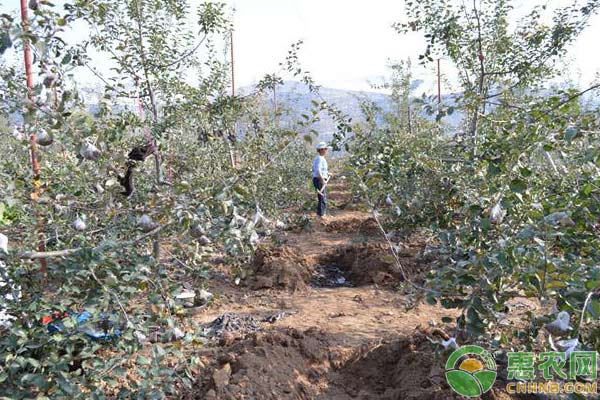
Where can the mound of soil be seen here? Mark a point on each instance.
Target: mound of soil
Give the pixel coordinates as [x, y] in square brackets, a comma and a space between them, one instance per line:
[267, 365]
[289, 364]
[396, 369]
[279, 268]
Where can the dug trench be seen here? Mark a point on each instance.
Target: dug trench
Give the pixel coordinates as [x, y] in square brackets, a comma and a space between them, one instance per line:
[321, 316]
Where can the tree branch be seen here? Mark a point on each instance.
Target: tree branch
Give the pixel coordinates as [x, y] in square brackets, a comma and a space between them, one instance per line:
[32, 255]
[184, 56]
[548, 111]
[573, 97]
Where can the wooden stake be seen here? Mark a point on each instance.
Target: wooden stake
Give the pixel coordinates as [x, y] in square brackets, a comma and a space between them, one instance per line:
[33, 137]
[439, 74]
[232, 65]
[232, 156]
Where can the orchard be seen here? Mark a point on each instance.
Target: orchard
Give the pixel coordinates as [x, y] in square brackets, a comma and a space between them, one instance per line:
[151, 244]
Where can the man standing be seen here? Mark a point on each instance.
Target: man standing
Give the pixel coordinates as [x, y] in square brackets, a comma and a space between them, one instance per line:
[320, 177]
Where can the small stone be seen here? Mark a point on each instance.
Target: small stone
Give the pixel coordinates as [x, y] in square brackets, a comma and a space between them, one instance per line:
[4, 243]
[154, 337]
[221, 376]
[44, 138]
[227, 339]
[211, 394]
[187, 298]
[90, 152]
[178, 334]
[228, 358]
[197, 231]
[204, 240]
[280, 225]
[79, 224]
[140, 337]
[204, 296]
[262, 282]
[146, 223]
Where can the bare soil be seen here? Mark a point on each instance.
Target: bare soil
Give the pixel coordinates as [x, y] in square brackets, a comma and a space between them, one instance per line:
[327, 320]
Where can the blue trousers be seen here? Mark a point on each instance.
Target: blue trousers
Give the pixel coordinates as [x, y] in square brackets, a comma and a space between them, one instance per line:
[322, 198]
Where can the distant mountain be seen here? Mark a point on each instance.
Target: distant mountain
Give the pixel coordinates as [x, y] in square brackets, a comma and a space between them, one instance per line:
[296, 98]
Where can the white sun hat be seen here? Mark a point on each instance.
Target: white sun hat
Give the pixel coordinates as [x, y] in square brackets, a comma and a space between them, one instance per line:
[323, 145]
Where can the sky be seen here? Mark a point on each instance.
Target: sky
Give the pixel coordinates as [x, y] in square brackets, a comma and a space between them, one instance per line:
[347, 43]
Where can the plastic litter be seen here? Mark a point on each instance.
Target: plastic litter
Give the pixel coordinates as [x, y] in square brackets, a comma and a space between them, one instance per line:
[106, 327]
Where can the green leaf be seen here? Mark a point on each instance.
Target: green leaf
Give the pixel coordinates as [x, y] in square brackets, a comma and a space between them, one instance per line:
[388, 259]
[65, 386]
[66, 59]
[518, 186]
[5, 42]
[486, 225]
[33, 362]
[571, 133]
[142, 360]
[430, 298]
[242, 191]
[525, 172]
[493, 169]
[475, 209]
[587, 189]
[591, 285]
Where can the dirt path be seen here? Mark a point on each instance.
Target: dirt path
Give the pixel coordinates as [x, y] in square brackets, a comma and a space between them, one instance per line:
[321, 318]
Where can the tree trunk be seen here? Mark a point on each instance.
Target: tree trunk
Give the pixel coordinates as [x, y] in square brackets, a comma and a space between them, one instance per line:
[33, 138]
[475, 120]
[157, 158]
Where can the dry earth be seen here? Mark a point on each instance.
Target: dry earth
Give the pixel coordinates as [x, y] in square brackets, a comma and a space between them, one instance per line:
[321, 317]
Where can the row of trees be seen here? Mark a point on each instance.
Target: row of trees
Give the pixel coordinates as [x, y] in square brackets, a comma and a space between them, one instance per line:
[514, 198]
[223, 170]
